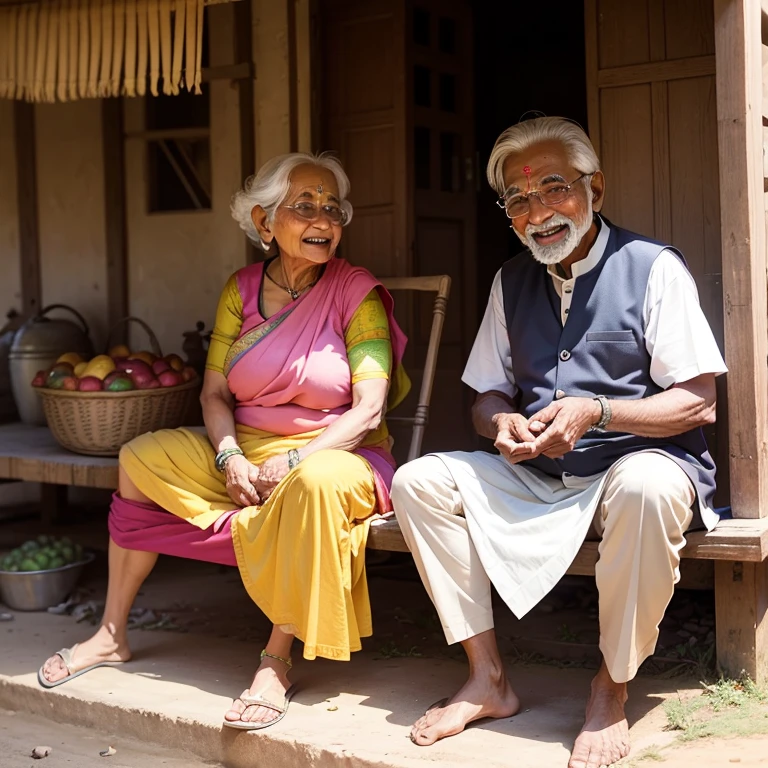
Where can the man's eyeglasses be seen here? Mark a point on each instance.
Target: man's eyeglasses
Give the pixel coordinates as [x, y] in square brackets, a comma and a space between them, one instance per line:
[311, 212]
[551, 194]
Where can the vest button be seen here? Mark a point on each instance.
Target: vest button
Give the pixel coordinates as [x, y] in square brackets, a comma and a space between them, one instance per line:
[565, 355]
[559, 393]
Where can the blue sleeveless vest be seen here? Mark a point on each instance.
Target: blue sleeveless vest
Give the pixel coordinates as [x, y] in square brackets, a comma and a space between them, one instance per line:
[600, 350]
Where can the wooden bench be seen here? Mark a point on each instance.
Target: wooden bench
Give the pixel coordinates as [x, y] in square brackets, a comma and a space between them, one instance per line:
[734, 554]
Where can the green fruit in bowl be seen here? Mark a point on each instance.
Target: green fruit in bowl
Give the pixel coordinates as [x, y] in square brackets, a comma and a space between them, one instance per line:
[28, 565]
[56, 562]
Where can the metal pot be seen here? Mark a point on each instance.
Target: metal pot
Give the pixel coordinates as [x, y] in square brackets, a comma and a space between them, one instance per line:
[36, 346]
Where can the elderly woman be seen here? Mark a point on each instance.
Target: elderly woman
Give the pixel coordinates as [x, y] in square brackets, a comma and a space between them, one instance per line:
[304, 357]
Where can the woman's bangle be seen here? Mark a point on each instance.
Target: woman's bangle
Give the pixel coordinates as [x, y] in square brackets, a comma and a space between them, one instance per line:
[222, 457]
[293, 458]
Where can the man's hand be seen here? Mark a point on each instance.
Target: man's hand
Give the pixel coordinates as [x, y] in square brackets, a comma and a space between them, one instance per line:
[514, 439]
[564, 423]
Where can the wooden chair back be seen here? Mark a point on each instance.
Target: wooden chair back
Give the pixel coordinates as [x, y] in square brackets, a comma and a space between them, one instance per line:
[440, 285]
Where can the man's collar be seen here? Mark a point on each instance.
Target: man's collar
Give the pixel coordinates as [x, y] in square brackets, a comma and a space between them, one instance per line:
[593, 257]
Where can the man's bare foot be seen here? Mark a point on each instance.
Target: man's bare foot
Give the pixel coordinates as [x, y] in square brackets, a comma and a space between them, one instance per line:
[604, 739]
[478, 698]
[103, 646]
[271, 682]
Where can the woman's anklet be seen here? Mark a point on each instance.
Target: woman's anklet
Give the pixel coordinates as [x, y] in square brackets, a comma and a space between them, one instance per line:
[288, 663]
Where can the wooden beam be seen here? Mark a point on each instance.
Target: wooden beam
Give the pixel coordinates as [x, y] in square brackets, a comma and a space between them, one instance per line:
[654, 71]
[592, 70]
[115, 215]
[742, 216]
[243, 48]
[242, 71]
[26, 190]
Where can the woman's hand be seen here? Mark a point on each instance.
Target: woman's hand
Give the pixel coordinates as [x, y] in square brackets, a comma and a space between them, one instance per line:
[271, 472]
[242, 477]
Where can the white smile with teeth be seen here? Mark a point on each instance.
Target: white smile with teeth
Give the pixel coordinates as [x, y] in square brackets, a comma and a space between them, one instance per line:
[316, 240]
[548, 232]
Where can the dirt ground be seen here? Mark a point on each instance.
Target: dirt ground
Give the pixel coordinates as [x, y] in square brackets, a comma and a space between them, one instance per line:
[561, 631]
[77, 747]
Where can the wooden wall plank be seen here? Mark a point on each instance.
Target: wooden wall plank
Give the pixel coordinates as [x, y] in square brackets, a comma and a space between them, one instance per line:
[115, 215]
[739, 95]
[662, 196]
[26, 187]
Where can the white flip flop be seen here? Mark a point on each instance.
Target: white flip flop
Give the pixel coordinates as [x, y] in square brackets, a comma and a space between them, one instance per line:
[261, 701]
[66, 655]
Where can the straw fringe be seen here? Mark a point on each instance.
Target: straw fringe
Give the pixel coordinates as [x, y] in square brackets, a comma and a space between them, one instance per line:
[60, 50]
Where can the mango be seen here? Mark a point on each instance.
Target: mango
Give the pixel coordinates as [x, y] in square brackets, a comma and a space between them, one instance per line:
[80, 369]
[175, 362]
[120, 384]
[73, 358]
[100, 367]
[119, 350]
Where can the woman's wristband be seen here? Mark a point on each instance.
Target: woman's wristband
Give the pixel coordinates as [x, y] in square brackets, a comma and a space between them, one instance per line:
[222, 457]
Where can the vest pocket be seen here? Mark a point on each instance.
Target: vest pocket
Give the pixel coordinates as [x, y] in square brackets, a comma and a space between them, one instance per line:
[612, 336]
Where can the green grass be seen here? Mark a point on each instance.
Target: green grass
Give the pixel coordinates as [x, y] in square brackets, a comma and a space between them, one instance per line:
[391, 650]
[725, 708]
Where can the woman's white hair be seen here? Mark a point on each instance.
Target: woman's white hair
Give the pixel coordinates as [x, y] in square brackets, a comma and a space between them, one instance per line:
[270, 186]
[524, 135]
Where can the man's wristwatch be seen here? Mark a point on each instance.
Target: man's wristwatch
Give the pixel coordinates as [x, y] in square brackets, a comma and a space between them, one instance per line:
[605, 413]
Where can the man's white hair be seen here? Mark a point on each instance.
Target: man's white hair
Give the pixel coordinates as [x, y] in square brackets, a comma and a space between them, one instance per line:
[524, 135]
[270, 186]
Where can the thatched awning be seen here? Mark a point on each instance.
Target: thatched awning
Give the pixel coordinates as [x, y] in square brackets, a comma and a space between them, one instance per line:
[60, 50]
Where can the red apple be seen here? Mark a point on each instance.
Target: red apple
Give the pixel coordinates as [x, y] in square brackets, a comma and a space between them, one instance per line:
[170, 378]
[134, 366]
[89, 384]
[144, 380]
[39, 380]
[69, 383]
[159, 366]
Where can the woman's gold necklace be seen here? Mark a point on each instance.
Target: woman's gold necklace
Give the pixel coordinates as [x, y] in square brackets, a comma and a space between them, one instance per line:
[294, 293]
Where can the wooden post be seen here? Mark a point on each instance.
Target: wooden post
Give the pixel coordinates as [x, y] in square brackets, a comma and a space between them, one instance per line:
[114, 213]
[741, 600]
[739, 123]
[26, 188]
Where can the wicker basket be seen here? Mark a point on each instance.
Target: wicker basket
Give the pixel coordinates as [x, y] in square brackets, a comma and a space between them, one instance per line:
[100, 423]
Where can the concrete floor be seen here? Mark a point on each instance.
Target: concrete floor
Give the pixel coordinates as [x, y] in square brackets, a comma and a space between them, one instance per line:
[356, 715]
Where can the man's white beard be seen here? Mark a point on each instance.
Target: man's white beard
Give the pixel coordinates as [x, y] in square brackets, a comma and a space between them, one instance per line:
[555, 253]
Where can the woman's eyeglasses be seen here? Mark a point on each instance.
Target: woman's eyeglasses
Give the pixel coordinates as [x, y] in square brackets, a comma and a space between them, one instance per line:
[311, 212]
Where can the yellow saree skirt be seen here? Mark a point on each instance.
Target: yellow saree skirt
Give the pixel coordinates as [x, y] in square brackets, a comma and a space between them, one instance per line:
[301, 555]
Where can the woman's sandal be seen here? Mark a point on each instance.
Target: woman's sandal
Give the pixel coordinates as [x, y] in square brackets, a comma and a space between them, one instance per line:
[66, 655]
[263, 701]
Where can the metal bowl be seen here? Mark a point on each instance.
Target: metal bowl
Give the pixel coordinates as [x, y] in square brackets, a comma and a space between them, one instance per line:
[38, 590]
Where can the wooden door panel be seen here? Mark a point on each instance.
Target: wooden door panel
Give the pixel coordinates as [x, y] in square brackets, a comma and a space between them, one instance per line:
[658, 141]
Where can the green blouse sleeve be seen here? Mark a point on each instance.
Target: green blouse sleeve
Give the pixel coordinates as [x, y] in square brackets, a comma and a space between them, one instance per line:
[367, 339]
[229, 321]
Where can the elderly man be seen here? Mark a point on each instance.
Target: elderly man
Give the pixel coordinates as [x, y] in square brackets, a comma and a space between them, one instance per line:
[595, 371]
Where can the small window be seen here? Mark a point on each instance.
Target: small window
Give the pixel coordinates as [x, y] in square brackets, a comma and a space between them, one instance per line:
[421, 157]
[448, 93]
[422, 86]
[179, 152]
[446, 35]
[421, 22]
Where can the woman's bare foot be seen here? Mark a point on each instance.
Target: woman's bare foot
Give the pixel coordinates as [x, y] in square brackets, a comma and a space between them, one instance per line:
[485, 696]
[103, 646]
[271, 682]
[604, 739]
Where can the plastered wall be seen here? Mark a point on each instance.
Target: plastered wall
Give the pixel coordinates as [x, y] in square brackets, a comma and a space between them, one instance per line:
[10, 274]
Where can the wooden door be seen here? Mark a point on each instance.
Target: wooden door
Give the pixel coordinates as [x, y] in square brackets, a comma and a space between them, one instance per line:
[397, 106]
[444, 183]
[652, 118]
